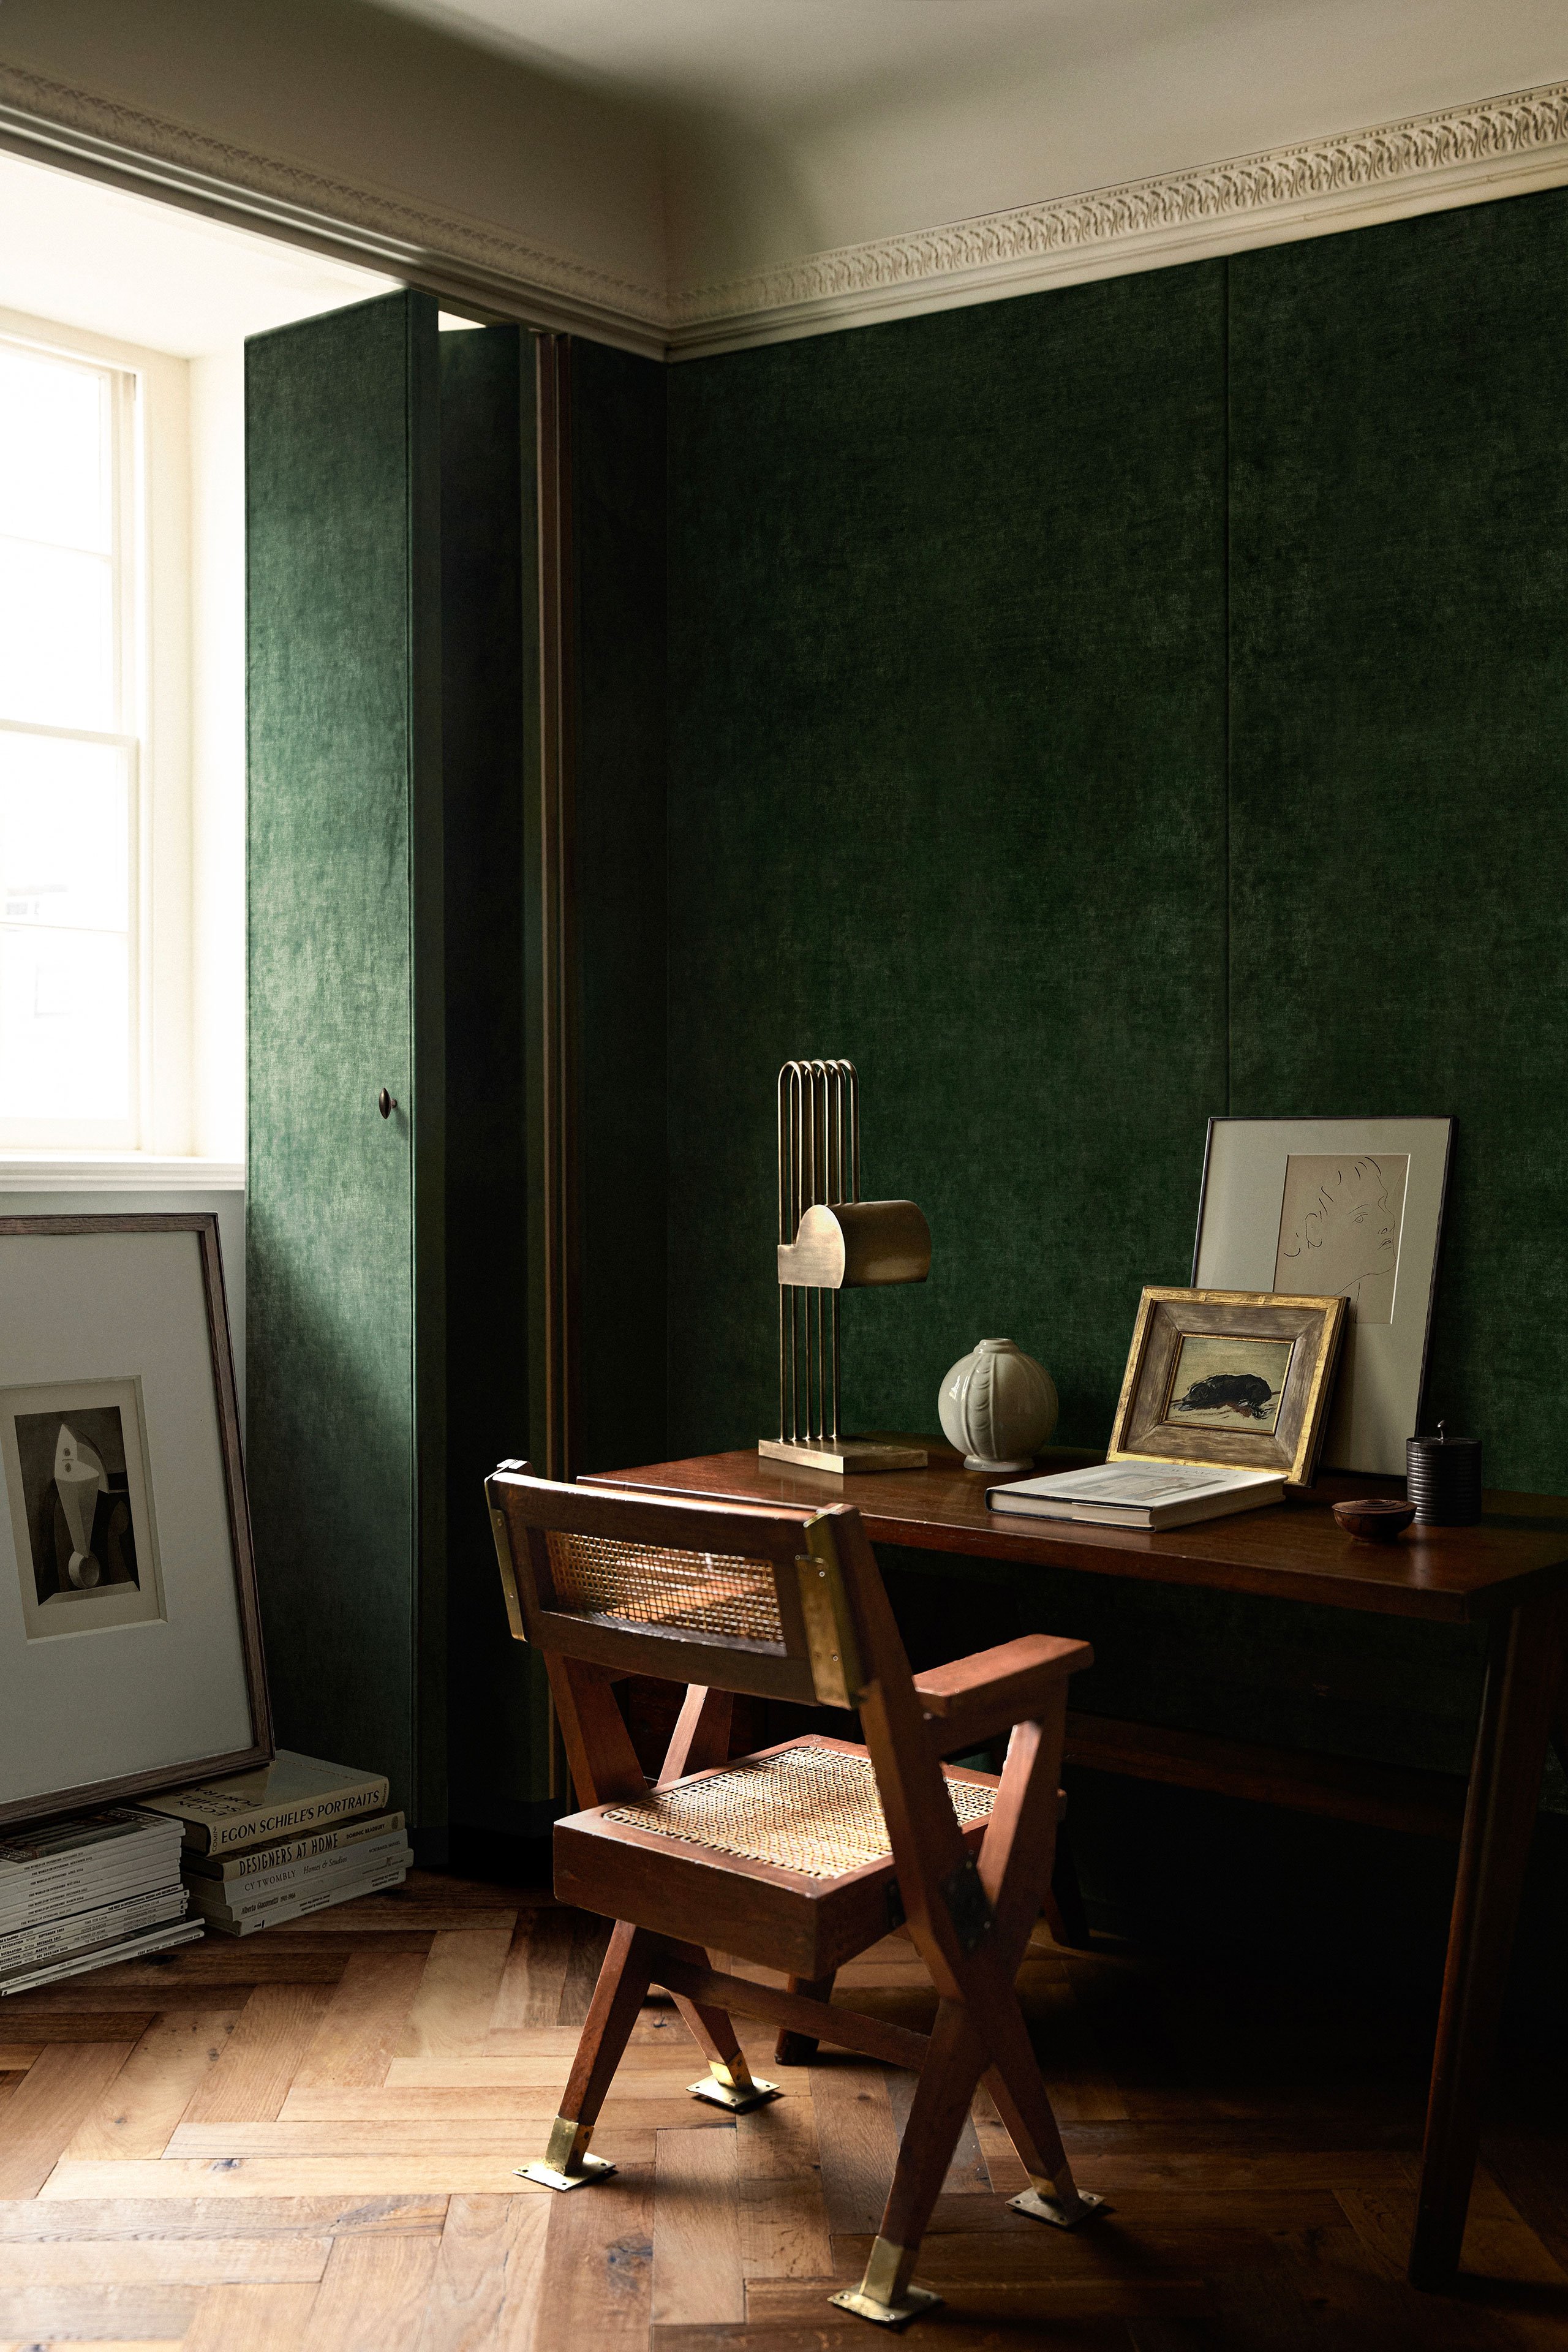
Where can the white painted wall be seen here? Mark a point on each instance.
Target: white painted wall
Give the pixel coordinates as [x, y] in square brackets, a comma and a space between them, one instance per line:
[217, 753]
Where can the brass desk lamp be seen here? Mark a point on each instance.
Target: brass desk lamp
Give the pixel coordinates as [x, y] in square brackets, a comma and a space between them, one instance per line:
[830, 1239]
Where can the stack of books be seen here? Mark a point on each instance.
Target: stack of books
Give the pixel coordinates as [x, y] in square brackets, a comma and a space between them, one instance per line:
[291, 1838]
[82, 1894]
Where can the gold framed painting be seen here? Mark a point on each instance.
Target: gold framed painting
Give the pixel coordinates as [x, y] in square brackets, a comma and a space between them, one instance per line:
[1242, 1377]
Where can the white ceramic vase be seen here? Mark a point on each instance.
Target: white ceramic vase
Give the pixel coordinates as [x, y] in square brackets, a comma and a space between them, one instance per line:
[998, 1406]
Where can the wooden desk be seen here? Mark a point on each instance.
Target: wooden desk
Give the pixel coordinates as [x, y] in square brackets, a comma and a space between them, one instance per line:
[1511, 1573]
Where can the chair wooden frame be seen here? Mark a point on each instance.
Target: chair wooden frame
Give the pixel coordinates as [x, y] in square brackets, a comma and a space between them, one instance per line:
[970, 1894]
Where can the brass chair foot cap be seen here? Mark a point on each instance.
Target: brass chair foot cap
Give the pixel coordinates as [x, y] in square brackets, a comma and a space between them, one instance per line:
[594, 2168]
[734, 2103]
[916, 2300]
[1041, 2208]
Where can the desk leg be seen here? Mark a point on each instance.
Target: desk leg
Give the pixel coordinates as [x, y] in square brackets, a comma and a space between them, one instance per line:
[1523, 1675]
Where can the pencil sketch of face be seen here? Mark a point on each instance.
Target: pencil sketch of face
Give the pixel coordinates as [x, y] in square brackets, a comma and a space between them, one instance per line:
[1338, 1229]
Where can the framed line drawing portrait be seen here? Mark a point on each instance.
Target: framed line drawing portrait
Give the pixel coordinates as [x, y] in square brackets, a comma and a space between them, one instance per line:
[1307, 1206]
[129, 1636]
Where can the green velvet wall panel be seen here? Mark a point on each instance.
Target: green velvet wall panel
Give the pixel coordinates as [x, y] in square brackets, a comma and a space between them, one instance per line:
[947, 797]
[618, 561]
[1399, 747]
[343, 1268]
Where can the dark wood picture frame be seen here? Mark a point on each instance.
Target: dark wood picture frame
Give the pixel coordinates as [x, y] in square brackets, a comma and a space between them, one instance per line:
[1314, 1326]
[122, 1789]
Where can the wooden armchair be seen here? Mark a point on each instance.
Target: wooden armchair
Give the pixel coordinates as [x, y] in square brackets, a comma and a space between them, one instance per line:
[802, 1856]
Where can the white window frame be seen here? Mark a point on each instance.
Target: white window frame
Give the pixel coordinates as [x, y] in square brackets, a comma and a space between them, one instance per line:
[153, 568]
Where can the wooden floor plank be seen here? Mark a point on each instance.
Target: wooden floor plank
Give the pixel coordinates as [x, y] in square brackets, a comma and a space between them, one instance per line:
[76, 2219]
[251, 2080]
[50, 2315]
[15, 2057]
[153, 2089]
[589, 1944]
[1077, 2074]
[784, 2222]
[535, 1972]
[250, 2319]
[859, 2145]
[410, 2175]
[430, 2136]
[162, 2261]
[597, 2283]
[697, 2276]
[363, 2022]
[1004, 2168]
[412, 2104]
[390, 1914]
[451, 2010]
[372, 2295]
[48, 2106]
[484, 2292]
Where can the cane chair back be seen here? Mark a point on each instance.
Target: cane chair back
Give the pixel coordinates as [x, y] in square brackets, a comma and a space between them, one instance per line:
[726, 1595]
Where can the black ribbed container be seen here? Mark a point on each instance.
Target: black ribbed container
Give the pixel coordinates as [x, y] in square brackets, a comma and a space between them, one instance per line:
[1443, 1480]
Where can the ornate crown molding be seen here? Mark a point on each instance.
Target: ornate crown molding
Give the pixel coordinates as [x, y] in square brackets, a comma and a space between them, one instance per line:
[1499, 146]
[1496, 147]
[447, 252]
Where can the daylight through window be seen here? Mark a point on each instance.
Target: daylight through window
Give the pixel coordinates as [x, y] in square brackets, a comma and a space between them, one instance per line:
[70, 730]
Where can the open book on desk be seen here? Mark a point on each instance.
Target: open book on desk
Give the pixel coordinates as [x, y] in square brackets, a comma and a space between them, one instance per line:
[1141, 1494]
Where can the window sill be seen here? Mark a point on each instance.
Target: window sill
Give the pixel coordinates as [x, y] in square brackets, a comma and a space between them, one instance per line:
[106, 1171]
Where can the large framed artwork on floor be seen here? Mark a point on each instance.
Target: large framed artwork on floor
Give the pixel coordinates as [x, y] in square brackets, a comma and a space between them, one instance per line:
[1349, 1205]
[129, 1637]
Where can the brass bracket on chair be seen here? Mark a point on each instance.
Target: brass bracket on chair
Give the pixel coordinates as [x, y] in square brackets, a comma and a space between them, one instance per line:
[566, 2163]
[508, 1573]
[885, 2295]
[720, 2090]
[836, 1673]
[1040, 2206]
[967, 1905]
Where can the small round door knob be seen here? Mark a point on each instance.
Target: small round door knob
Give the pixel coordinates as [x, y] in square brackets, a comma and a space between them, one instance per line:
[386, 1104]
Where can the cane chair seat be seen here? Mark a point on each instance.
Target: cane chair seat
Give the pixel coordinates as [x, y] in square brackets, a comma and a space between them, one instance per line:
[809, 1807]
[785, 1853]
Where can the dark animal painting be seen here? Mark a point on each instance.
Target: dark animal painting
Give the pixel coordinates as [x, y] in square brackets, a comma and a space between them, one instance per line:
[1240, 1393]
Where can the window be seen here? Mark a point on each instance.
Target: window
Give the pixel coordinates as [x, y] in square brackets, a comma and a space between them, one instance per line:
[70, 750]
[96, 821]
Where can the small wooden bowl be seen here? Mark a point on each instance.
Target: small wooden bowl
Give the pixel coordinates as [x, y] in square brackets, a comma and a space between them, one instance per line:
[1381, 1519]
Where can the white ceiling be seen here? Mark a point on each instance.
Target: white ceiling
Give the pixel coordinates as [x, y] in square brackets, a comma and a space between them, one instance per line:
[771, 60]
[793, 127]
[142, 272]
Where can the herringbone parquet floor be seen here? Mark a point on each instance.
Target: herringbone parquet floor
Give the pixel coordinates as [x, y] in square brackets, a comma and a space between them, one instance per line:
[308, 2139]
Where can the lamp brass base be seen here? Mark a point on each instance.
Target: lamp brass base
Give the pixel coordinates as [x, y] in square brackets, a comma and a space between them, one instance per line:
[910, 2306]
[1041, 2208]
[839, 1455]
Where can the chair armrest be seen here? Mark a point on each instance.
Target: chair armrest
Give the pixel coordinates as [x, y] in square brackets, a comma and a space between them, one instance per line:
[994, 1689]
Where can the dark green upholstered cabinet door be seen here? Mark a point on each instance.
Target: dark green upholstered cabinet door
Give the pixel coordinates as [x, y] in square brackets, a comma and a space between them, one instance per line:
[498, 1724]
[947, 797]
[619, 857]
[344, 1260]
[1399, 748]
